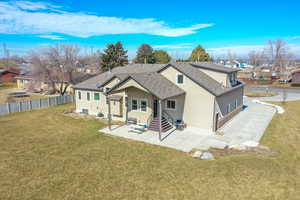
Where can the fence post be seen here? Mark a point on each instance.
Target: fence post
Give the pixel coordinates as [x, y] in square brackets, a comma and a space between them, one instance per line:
[30, 105]
[48, 102]
[40, 103]
[20, 105]
[8, 108]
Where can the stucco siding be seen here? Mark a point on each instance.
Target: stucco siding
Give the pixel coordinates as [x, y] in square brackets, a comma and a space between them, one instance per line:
[218, 76]
[198, 106]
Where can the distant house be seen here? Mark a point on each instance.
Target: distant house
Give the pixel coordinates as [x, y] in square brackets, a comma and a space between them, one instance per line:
[7, 76]
[203, 95]
[34, 82]
[295, 76]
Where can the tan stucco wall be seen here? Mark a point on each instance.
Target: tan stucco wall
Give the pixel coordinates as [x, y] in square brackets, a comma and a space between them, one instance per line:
[229, 98]
[198, 106]
[98, 106]
[218, 76]
[135, 93]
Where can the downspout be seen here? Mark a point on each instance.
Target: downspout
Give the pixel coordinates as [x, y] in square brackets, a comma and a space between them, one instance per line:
[159, 118]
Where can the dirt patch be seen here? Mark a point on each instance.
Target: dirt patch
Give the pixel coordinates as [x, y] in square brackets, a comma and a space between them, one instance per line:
[259, 150]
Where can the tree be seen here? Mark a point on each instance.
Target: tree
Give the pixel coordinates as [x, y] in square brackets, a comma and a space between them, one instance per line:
[199, 54]
[256, 58]
[278, 55]
[145, 54]
[56, 65]
[161, 56]
[113, 56]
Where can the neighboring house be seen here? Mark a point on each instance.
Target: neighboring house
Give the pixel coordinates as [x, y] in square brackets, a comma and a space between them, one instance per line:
[34, 82]
[7, 76]
[203, 95]
[295, 76]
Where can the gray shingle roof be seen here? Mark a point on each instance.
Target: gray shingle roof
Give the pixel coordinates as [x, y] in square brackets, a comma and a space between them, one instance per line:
[119, 72]
[155, 83]
[201, 78]
[148, 76]
[214, 67]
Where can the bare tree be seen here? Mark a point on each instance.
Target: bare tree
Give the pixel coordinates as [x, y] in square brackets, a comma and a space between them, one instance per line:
[57, 65]
[278, 55]
[256, 58]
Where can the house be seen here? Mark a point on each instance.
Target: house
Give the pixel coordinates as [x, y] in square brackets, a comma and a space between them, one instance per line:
[295, 76]
[7, 76]
[31, 81]
[203, 95]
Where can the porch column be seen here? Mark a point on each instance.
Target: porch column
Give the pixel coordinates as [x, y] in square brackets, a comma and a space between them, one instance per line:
[109, 114]
[159, 118]
[126, 107]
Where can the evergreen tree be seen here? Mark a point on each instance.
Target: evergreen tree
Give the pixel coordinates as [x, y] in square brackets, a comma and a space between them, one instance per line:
[145, 54]
[199, 55]
[161, 57]
[113, 56]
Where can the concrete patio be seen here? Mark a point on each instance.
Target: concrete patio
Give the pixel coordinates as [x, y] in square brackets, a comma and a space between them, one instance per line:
[249, 124]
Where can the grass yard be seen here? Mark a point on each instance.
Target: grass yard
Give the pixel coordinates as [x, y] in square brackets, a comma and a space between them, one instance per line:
[47, 155]
[8, 88]
[259, 93]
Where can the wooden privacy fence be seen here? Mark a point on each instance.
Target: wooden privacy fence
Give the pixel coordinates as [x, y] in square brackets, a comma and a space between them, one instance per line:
[33, 104]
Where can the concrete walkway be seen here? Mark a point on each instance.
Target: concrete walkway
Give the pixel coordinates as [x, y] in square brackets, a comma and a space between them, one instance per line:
[249, 124]
[292, 94]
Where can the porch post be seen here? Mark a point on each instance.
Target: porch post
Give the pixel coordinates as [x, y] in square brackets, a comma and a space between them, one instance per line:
[126, 107]
[159, 118]
[109, 114]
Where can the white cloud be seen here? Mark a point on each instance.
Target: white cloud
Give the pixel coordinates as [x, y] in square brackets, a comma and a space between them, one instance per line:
[243, 50]
[27, 5]
[18, 18]
[174, 46]
[52, 37]
[237, 50]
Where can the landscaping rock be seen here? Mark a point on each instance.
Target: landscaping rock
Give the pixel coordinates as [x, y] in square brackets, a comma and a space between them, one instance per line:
[207, 156]
[238, 147]
[250, 143]
[197, 154]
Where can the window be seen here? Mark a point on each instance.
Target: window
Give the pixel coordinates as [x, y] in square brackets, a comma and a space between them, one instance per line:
[171, 104]
[144, 105]
[179, 78]
[134, 104]
[96, 96]
[79, 95]
[88, 96]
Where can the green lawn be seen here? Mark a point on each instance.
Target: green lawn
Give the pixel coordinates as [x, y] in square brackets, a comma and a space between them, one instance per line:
[47, 155]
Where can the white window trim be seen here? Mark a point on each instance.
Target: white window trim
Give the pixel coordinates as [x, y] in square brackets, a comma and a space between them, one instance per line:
[137, 104]
[177, 78]
[166, 104]
[146, 100]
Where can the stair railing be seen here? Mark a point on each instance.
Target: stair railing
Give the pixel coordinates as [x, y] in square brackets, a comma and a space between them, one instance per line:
[168, 117]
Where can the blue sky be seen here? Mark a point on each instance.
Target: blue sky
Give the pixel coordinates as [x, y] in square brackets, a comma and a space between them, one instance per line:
[175, 26]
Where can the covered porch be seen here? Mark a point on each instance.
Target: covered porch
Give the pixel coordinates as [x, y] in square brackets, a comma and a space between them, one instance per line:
[143, 99]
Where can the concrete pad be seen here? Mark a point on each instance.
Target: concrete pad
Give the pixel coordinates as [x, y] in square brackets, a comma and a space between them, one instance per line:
[249, 124]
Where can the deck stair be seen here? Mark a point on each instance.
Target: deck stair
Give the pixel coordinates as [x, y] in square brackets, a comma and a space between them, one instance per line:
[165, 125]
